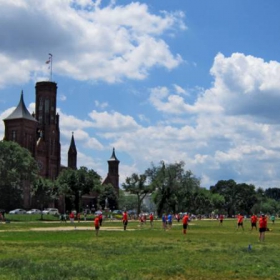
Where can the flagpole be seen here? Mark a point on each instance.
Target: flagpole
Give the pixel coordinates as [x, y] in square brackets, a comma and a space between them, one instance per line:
[50, 58]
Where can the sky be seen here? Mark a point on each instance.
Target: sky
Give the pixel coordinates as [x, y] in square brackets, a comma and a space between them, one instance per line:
[158, 80]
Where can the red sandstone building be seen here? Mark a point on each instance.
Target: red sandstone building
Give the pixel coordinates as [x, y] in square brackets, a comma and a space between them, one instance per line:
[40, 134]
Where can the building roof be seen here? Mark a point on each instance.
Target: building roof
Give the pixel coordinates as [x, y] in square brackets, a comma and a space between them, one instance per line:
[72, 147]
[21, 111]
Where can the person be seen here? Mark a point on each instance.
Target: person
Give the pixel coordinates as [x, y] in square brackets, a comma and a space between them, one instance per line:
[272, 218]
[141, 220]
[163, 221]
[262, 227]
[85, 215]
[240, 221]
[221, 218]
[254, 220]
[125, 220]
[1, 217]
[185, 221]
[96, 224]
[100, 218]
[169, 220]
[71, 217]
[151, 219]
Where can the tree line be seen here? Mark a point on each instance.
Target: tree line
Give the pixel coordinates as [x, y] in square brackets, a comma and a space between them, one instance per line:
[170, 187]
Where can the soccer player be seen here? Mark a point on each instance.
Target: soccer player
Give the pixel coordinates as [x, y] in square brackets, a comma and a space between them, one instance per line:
[124, 220]
[254, 220]
[221, 218]
[96, 224]
[151, 219]
[240, 221]
[262, 227]
[185, 221]
[163, 221]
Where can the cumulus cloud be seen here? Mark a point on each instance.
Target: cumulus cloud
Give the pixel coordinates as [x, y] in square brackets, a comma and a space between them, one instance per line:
[106, 43]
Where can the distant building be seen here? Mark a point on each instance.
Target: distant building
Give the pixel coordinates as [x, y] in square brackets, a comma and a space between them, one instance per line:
[40, 134]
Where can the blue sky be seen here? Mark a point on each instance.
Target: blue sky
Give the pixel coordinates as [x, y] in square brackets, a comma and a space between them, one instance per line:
[173, 80]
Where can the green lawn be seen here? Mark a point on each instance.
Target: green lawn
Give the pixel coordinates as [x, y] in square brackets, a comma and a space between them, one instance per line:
[208, 251]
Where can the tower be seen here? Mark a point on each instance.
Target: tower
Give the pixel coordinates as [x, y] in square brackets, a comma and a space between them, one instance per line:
[48, 134]
[72, 154]
[21, 126]
[113, 172]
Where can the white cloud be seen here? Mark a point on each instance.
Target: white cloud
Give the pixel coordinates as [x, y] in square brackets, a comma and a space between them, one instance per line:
[103, 43]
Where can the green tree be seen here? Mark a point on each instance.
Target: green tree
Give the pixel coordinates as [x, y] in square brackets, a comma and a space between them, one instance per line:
[18, 172]
[136, 184]
[108, 197]
[174, 187]
[127, 202]
[74, 183]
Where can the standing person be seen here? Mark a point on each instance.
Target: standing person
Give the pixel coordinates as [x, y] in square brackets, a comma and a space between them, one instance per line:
[240, 221]
[185, 221]
[96, 224]
[163, 221]
[125, 220]
[100, 218]
[254, 220]
[169, 220]
[71, 217]
[141, 220]
[262, 227]
[151, 219]
[85, 215]
[221, 218]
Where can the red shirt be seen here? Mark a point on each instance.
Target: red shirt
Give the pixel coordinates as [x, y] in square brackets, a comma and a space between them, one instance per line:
[254, 219]
[221, 217]
[96, 221]
[124, 216]
[263, 222]
[71, 215]
[185, 219]
[151, 217]
[240, 219]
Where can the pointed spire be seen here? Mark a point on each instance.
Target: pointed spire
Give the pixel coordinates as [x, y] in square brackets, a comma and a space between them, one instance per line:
[72, 147]
[113, 156]
[21, 111]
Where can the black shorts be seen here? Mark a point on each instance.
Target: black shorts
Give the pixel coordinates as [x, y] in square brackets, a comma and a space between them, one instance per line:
[254, 224]
[96, 227]
[240, 224]
[185, 226]
[221, 221]
[262, 229]
[125, 223]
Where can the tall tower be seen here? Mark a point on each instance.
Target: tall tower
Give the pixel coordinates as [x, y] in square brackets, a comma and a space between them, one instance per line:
[21, 126]
[48, 134]
[72, 154]
[113, 172]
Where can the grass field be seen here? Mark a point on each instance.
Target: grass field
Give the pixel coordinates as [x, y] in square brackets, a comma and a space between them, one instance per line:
[54, 251]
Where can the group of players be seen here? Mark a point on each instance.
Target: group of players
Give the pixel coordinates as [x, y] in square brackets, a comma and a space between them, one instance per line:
[167, 222]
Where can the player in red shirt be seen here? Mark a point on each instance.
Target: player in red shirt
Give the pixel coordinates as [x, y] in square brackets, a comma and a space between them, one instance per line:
[221, 218]
[185, 221]
[240, 221]
[262, 227]
[151, 219]
[124, 220]
[254, 220]
[96, 224]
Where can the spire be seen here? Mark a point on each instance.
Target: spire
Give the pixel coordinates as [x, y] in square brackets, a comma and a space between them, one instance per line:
[72, 154]
[113, 156]
[21, 111]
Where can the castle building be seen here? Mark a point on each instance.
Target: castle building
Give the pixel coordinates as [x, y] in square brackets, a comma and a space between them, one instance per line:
[40, 134]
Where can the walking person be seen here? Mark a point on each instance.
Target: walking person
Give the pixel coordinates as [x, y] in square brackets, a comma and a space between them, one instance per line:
[124, 220]
[185, 221]
[151, 219]
[163, 221]
[221, 218]
[96, 225]
[262, 227]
